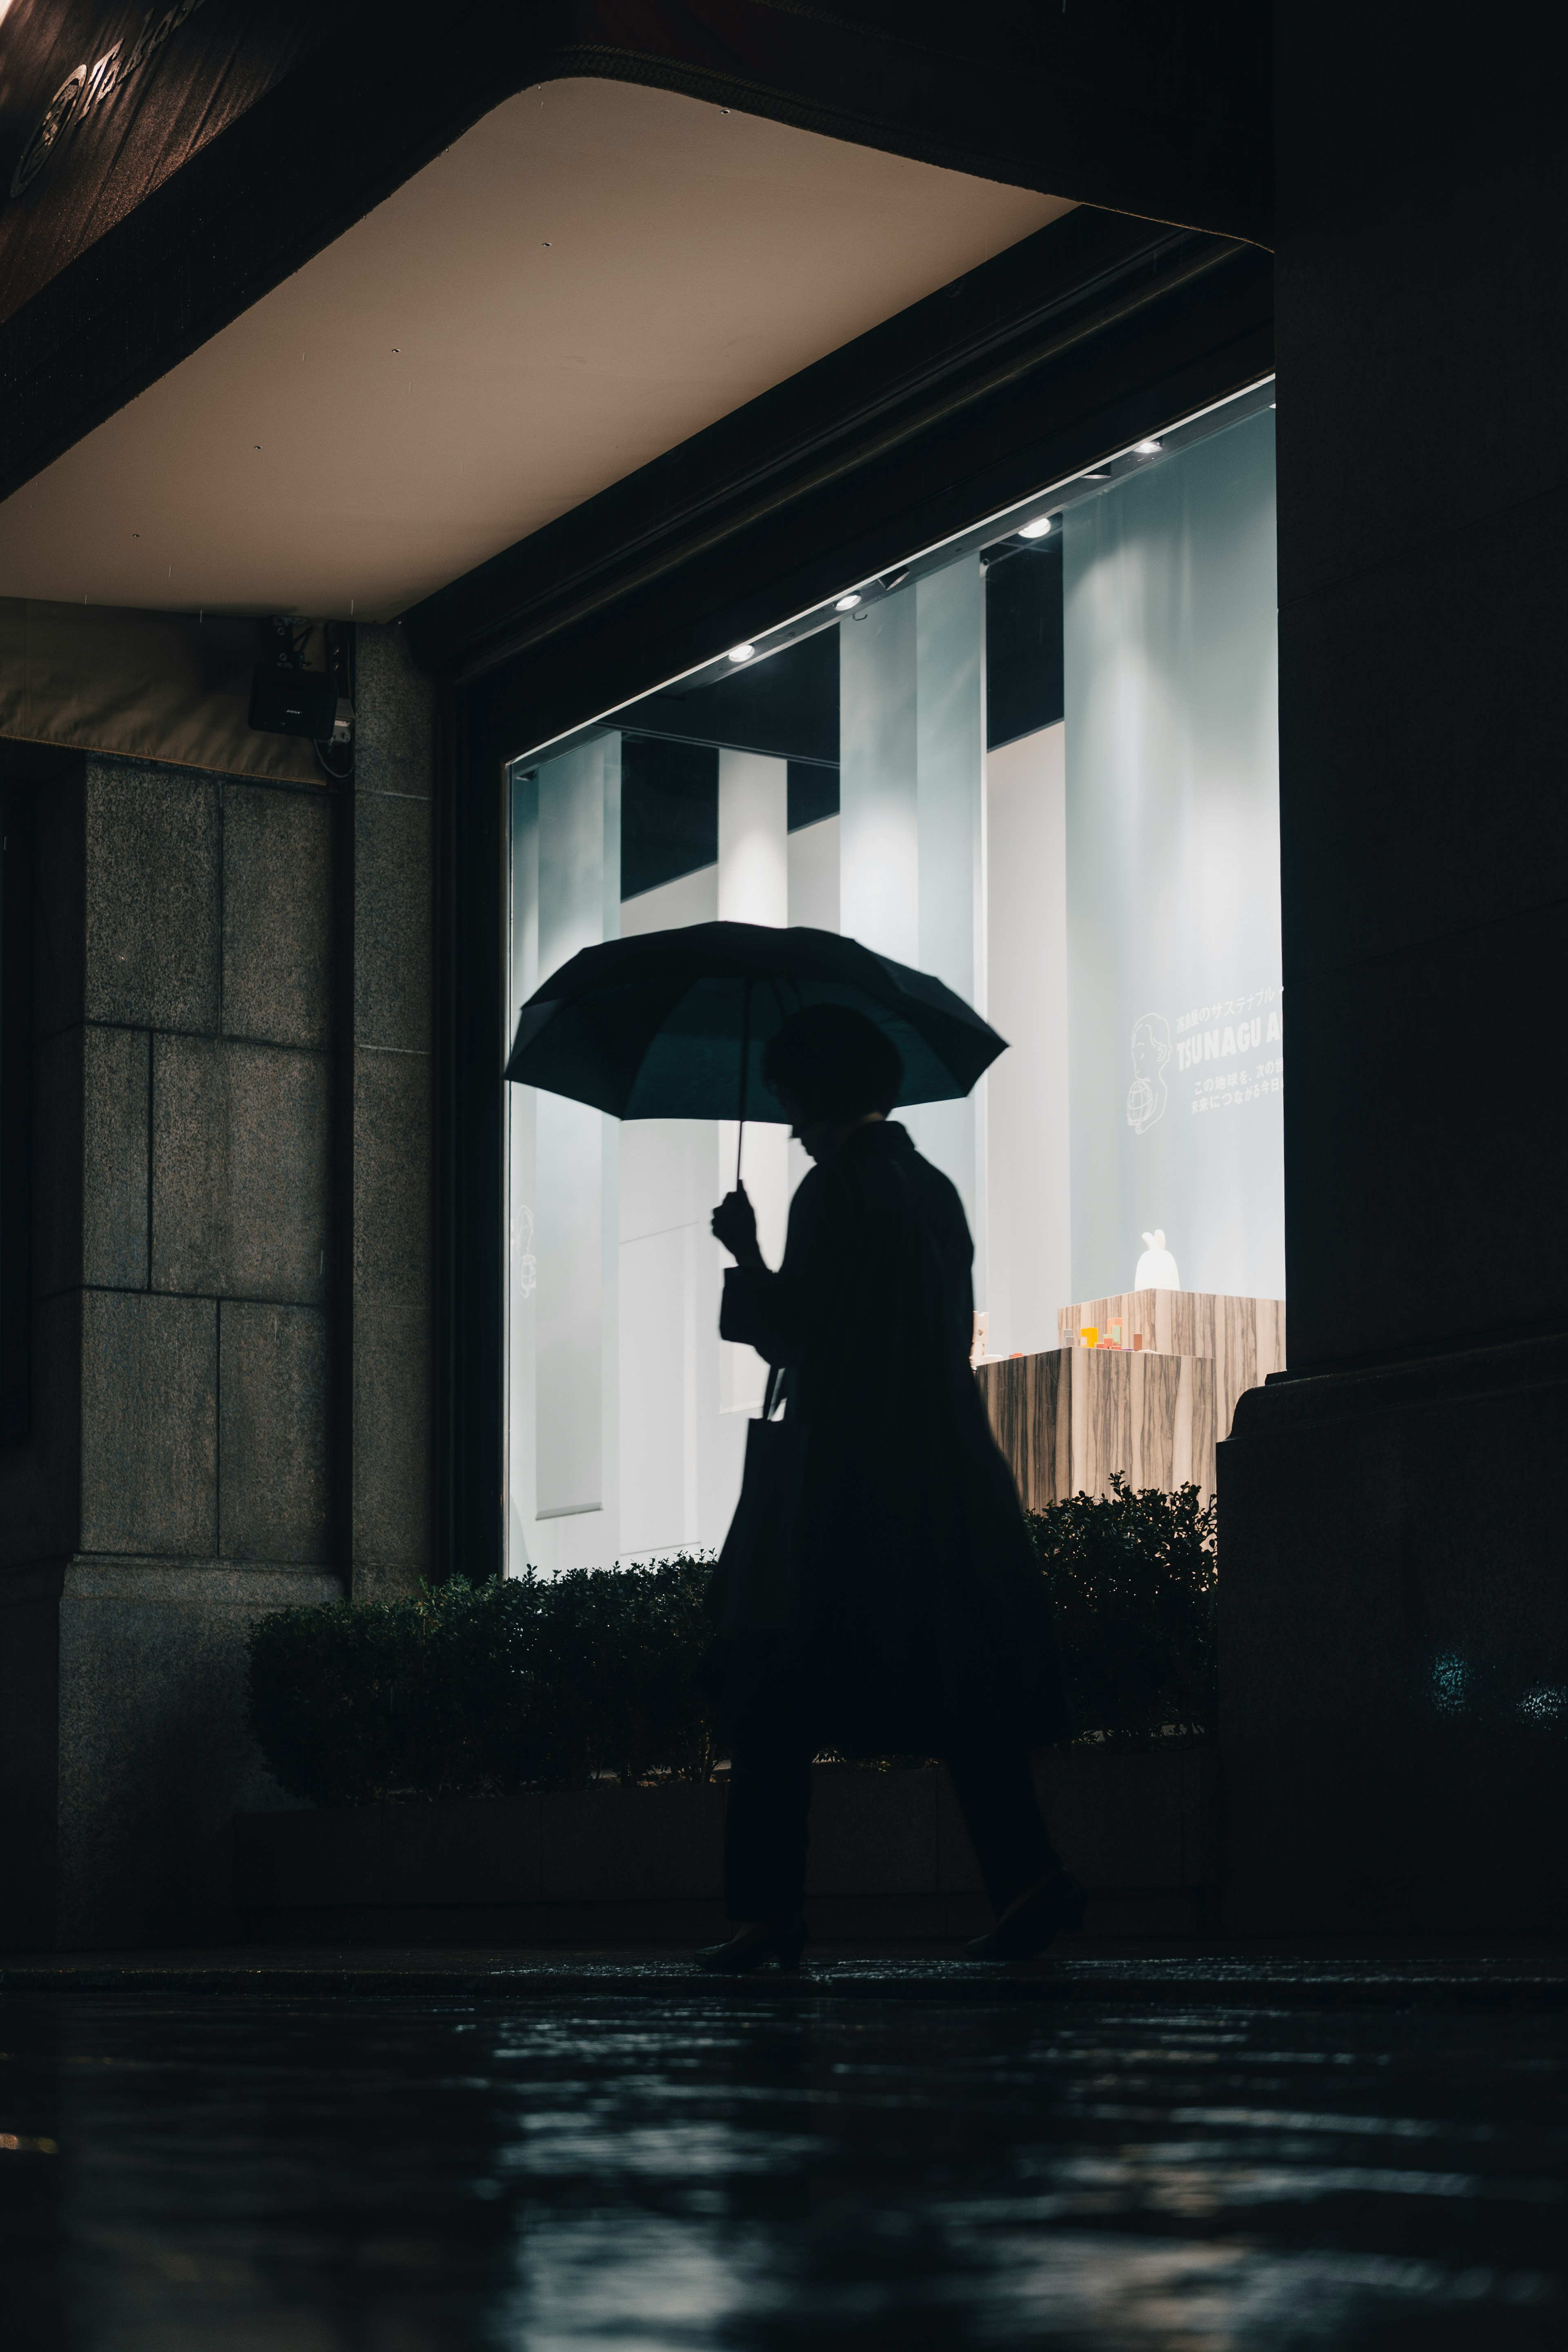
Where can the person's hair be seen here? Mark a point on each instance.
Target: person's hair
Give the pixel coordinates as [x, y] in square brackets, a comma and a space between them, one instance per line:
[836, 1063]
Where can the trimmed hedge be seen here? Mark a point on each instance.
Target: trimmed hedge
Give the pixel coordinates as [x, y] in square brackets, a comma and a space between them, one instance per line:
[480, 1690]
[1136, 1587]
[484, 1690]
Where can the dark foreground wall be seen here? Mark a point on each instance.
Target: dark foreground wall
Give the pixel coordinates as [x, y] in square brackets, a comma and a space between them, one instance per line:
[1394, 1701]
[231, 1277]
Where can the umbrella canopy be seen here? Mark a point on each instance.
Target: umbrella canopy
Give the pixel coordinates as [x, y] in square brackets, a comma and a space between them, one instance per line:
[673, 1024]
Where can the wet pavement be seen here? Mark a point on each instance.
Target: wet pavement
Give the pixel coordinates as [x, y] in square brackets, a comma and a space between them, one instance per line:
[772, 2167]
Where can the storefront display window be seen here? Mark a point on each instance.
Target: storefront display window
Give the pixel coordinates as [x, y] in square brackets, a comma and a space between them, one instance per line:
[1039, 761]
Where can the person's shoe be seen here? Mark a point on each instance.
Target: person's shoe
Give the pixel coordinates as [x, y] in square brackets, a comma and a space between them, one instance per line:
[1037, 1918]
[781, 1940]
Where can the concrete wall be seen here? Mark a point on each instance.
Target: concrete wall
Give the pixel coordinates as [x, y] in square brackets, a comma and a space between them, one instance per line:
[1395, 1630]
[231, 1283]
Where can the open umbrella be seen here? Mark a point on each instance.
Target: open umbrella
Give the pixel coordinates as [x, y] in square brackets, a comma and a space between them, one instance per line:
[673, 1024]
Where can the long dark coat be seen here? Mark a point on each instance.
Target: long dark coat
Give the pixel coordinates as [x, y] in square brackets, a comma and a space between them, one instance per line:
[922, 1618]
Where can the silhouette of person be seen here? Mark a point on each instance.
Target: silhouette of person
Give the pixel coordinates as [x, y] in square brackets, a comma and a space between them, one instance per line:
[918, 1622]
[1148, 1094]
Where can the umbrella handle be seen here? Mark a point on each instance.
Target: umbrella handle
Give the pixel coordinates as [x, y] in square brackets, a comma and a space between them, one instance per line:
[745, 1058]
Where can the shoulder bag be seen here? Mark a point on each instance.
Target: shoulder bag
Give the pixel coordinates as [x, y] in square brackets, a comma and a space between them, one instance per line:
[754, 1583]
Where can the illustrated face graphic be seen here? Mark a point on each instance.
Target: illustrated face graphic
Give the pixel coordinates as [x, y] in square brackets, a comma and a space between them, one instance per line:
[1146, 1096]
[1150, 1054]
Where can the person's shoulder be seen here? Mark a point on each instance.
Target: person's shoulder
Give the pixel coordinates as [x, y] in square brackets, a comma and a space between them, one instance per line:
[925, 1172]
[944, 1201]
[883, 1159]
[809, 1198]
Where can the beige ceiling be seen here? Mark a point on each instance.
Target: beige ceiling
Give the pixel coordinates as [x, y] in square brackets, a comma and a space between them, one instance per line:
[593, 273]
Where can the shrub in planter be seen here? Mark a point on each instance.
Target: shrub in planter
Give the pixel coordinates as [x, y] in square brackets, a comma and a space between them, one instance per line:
[1134, 1579]
[483, 1690]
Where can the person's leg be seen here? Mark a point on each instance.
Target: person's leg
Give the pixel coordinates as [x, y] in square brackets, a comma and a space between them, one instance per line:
[995, 1791]
[765, 1828]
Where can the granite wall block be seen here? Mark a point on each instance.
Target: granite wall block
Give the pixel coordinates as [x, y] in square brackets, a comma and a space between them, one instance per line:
[277, 915]
[395, 710]
[393, 1407]
[394, 920]
[392, 1189]
[240, 1169]
[116, 1089]
[149, 1423]
[155, 1758]
[90, 1193]
[151, 895]
[273, 1501]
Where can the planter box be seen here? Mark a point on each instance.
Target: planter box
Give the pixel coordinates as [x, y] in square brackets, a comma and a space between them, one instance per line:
[890, 1860]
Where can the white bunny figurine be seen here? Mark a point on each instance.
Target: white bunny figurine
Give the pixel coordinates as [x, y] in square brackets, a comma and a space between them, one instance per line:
[1156, 1267]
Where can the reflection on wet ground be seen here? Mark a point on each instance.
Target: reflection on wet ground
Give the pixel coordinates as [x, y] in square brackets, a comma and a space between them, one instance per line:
[413, 2173]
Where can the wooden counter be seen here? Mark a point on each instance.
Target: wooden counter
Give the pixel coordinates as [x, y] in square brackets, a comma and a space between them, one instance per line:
[1070, 1417]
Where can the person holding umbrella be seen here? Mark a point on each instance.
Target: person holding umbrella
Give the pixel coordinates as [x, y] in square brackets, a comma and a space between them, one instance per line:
[915, 1618]
[878, 1592]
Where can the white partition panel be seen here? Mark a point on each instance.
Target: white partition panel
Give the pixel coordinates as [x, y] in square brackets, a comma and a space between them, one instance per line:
[680, 1456]
[1173, 809]
[950, 663]
[564, 1403]
[753, 837]
[814, 875]
[522, 1261]
[1028, 1221]
[879, 811]
[911, 818]
[754, 888]
[570, 1312]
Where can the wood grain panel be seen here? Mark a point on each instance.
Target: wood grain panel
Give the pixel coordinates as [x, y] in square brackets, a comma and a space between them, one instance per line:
[1069, 1418]
[1243, 1338]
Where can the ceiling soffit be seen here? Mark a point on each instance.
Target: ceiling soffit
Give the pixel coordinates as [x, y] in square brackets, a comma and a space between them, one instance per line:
[593, 274]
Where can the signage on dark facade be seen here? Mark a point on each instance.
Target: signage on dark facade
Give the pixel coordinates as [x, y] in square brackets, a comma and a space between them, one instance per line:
[100, 105]
[95, 86]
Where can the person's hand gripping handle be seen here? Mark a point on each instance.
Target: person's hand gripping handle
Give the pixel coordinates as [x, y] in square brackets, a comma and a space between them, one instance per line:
[735, 1225]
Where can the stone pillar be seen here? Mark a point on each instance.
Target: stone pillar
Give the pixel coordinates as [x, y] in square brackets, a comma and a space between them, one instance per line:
[390, 1195]
[231, 1197]
[175, 1482]
[1395, 1616]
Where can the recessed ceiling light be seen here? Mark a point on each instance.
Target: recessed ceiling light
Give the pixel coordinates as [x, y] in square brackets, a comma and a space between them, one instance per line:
[1146, 448]
[742, 653]
[1036, 530]
[847, 604]
[891, 580]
